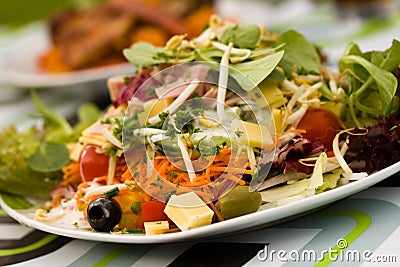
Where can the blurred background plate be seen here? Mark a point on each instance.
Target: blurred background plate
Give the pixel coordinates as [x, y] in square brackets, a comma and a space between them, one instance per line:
[19, 63]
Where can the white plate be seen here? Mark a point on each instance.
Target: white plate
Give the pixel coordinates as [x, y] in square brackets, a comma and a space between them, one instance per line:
[18, 68]
[263, 218]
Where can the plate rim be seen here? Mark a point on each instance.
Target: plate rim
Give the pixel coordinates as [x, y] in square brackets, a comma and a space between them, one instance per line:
[44, 80]
[28, 44]
[242, 223]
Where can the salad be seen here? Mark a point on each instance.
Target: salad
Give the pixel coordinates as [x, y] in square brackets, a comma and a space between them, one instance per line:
[225, 124]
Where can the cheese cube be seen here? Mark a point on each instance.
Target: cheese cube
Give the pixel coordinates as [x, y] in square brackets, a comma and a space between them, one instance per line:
[278, 116]
[272, 94]
[154, 107]
[153, 228]
[268, 94]
[188, 211]
[252, 134]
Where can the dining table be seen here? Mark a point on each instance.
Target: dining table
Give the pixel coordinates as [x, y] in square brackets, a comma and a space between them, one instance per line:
[362, 229]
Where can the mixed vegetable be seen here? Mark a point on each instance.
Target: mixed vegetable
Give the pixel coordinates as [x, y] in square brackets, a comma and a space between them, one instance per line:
[225, 124]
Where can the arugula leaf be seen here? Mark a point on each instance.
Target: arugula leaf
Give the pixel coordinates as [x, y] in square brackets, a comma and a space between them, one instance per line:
[58, 127]
[242, 36]
[210, 54]
[88, 113]
[276, 76]
[58, 130]
[299, 53]
[384, 82]
[49, 157]
[372, 83]
[255, 71]
[145, 54]
[388, 59]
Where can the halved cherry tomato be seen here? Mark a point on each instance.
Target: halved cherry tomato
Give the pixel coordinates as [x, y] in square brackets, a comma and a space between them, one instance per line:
[92, 164]
[321, 125]
[153, 211]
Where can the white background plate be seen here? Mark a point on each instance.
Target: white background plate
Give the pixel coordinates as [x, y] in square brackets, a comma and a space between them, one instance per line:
[18, 65]
[263, 218]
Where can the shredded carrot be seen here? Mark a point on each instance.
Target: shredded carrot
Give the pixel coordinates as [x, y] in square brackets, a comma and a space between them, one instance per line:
[330, 154]
[57, 196]
[71, 174]
[277, 140]
[231, 170]
[217, 164]
[223, 164]
[235, 179]
[300, 131]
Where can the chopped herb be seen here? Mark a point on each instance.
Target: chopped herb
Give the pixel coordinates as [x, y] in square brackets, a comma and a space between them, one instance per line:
[136, 207]
[163, 116]
[132, 231]
[151, 91]
[197, 106]
[157, 185]
[127, 79]
[239, 133]
[116, 124]
[167, 195]
[112, 192]
[173, 174]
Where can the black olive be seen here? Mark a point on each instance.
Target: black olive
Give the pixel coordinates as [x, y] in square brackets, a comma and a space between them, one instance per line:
[104, 214]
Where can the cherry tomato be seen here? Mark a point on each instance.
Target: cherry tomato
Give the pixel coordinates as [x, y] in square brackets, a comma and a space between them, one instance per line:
[153, 211]
[321, 125]
[92, 164]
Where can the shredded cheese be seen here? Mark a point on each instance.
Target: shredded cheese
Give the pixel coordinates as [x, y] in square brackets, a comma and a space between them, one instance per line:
[110, 137]
[242, 54]
[338, 154]
[178, 101]
[147, 131]
[223, 81]
[186, 159]
[297, 115]
[43, 215]
[310, 90]
[295, 97]
[112, 163]
[99, 190]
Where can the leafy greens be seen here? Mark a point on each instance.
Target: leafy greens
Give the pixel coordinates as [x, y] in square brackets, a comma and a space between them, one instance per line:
[372, 80]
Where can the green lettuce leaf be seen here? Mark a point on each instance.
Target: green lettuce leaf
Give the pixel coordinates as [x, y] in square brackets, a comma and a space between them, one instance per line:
[372, 83]
[144, 54]
[255, 71]
[300, 54]
[242, 36]
[16, 176]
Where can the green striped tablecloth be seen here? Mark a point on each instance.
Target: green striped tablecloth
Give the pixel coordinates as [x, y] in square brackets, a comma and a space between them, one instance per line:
[363, 230]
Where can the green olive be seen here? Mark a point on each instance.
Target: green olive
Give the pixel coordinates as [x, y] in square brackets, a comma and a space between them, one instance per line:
[239, 201]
